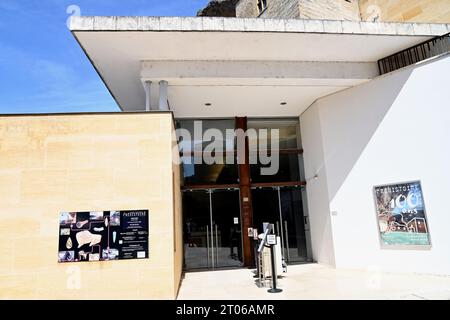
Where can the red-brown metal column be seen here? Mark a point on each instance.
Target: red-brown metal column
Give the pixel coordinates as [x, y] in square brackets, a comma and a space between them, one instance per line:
[246, 198]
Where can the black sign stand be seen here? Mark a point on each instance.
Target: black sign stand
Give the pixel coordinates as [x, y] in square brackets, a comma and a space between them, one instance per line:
[274, 288]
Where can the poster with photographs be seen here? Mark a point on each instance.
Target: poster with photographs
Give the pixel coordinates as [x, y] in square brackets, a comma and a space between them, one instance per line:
[401, 215]
[103, 235]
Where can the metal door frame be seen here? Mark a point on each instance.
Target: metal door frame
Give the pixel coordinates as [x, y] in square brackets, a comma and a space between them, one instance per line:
[281, 224]
[211, 230]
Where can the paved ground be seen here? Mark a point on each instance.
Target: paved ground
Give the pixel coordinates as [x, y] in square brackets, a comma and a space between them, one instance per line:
[312, 281]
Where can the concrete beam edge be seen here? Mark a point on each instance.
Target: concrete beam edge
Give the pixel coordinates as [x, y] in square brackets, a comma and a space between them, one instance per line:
[421, 29]
[233, 24]
[170, 23]
[213, 23]
[127, 23]
[254, 24]
[295, 25]
[81, 23]
[314, 26]
[148, 23]
[350, 27]
[112, 23]
[274, 25]
[332, 26]
[105, 23]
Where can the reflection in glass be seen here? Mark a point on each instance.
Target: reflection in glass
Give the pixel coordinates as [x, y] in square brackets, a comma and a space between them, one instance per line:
[289, 223]
[227, 228]
[212, 229]
[196, 229]
[196, 143]
[288, 131]
[288, 170]
[293, 224]
[209, 174]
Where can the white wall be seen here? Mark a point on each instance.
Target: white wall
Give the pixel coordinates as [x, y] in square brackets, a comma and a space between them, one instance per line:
[395, 128]
[317, 193]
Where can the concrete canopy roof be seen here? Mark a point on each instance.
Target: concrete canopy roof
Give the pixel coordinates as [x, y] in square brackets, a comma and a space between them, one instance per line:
[327, 56]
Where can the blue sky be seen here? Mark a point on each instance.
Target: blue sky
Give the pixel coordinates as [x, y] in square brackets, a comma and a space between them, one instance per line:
[42, 68]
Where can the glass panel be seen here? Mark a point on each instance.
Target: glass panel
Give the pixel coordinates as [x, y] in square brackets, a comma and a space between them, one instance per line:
[288, 170]
[265, 207]
[203, 173]
[209, 174]
[293, 224]
[288, 131]
[291, 227]
[197, 229]
[221, 125]
[227, 228]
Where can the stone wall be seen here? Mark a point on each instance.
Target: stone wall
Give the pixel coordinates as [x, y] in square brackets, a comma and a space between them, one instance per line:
[246, 9]
[286, 9]
[428, 11]
[304, 9]
[437, 11]
[92, 162]
[329, 9]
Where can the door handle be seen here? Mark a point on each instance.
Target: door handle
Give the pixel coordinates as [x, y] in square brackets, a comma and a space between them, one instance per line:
[282, 244]
[278, 228]
[287, 239]
[217, 246]
[207, 244]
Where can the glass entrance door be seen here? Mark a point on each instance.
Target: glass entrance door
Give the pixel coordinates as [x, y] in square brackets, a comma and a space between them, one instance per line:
[197, 229]
[227, 228]
[293, 224]
[283, 207]
[212, 229]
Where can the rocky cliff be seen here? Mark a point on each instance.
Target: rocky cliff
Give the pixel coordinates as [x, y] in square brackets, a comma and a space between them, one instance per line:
[219, 8]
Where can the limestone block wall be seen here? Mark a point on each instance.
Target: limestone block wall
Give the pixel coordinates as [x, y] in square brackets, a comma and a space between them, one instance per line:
[304, 9]
[246, 9]
[283, 9]
[287, 9]
[437, 11]
[329, 9]
[178, 244]
[88, 162]
[426, 11]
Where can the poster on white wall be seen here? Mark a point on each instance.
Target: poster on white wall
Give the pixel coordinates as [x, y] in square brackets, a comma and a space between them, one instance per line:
[401, 215]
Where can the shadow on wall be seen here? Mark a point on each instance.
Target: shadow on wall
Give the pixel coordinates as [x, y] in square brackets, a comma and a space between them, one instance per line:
[336, 130]
[354, 126]
[391, 129]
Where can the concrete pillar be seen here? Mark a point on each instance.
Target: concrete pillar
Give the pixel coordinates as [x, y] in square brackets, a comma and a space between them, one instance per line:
[148, 87]
[163, 99]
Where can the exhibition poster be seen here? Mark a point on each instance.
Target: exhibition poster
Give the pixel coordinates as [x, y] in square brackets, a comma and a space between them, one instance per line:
[103, 235]
[401, 214]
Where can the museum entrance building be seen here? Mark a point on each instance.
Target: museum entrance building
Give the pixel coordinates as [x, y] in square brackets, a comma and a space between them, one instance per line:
[225, 204]
[348, 166]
